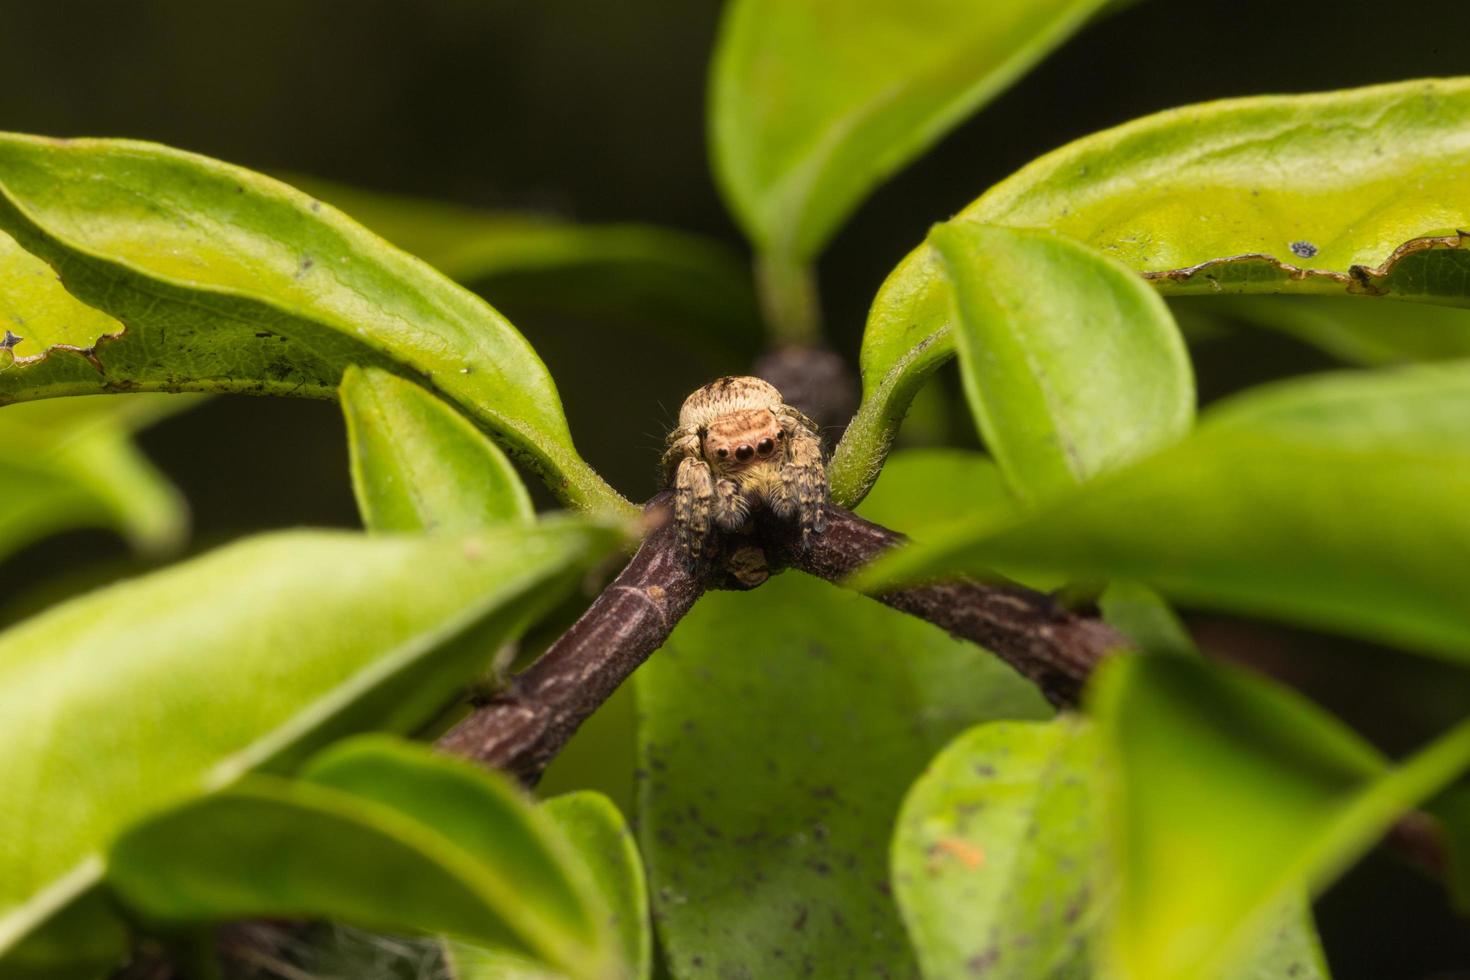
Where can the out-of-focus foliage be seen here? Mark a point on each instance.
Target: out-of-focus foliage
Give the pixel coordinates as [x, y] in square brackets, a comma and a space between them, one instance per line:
[254, 652]
[379, 833]
[1202, 754]
[72, 463]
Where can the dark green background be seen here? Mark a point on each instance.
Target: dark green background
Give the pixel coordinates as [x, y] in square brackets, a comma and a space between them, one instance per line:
[594, 111]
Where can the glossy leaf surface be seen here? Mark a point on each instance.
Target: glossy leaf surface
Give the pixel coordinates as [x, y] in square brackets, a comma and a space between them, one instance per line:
[1373, 184]
[1335, 502]
[1072, 364]
[686, 287]
[225, 280]
[418, 465]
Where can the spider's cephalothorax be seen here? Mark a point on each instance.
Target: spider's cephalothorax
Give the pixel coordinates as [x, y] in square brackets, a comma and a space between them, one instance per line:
[739, 446]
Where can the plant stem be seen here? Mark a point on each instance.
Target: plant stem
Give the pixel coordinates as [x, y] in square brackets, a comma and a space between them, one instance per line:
[522, 729]
[789, 301]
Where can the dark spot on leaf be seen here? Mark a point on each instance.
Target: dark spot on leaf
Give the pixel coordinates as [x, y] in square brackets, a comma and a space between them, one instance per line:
[1303, 250]
[980, 963]
[316, 205]
[10, 340]
[800, 921]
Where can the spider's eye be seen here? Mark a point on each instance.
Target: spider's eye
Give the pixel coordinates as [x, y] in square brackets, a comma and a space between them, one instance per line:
[765, 446]
[722, 452]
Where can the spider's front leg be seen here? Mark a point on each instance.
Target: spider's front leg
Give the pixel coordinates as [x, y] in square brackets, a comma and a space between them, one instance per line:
[804, 476]
[694, 504]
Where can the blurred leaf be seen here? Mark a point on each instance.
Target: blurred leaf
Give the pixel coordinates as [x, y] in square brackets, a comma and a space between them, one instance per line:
[995, 853]
[996, 863]
[1367, 181]
[379, 833]
[418, 465]
[1335, 502]
[600, 836]
[690, 288]
[230, 281]
[779, 730]
[923, 492]
[814, 103]
[1071, 363]
[1140, 614]
[70, 462]
[1374, 334]
[1231, 794]
[258, 652]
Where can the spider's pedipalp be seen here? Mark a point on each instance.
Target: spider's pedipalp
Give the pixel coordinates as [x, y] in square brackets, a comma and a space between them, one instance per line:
[732, 509]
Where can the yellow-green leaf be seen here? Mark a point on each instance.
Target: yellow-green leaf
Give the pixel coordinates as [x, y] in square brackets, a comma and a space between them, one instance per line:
[1229, 796]
[71, 462]
[1335, 502]
[1072, 364]
[1361, 191]
[225, 280]
[815, 102]
[258, 652]
[418, 465]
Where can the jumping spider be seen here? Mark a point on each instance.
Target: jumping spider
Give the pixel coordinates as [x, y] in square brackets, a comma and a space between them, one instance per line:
[739, 445]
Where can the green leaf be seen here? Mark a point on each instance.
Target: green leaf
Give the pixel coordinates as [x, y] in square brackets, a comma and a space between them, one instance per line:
[1230, 795]
[71, 463]
[1373, 334]
[688, 287]
[813, 104]
[779, 731]
[598, 833]
[258, 652]
[998, 863]
[225, 280]
[995, 854]
[925, 492]
[1337, 502]
[1375, 180]
[1140, 614]
[1071, 363]
[380, 833]
[601, 838]
[418, 465]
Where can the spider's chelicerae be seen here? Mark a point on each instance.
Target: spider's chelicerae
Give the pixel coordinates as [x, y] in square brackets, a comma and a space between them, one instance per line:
[740, 446]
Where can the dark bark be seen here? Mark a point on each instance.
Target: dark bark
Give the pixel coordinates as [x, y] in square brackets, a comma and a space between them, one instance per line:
[522, 728]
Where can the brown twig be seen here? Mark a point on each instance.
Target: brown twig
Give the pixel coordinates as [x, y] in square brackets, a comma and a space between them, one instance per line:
[1052, 647]
[523, 728]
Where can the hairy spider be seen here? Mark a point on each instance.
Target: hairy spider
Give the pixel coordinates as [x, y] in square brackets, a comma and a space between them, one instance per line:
[739, 446]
